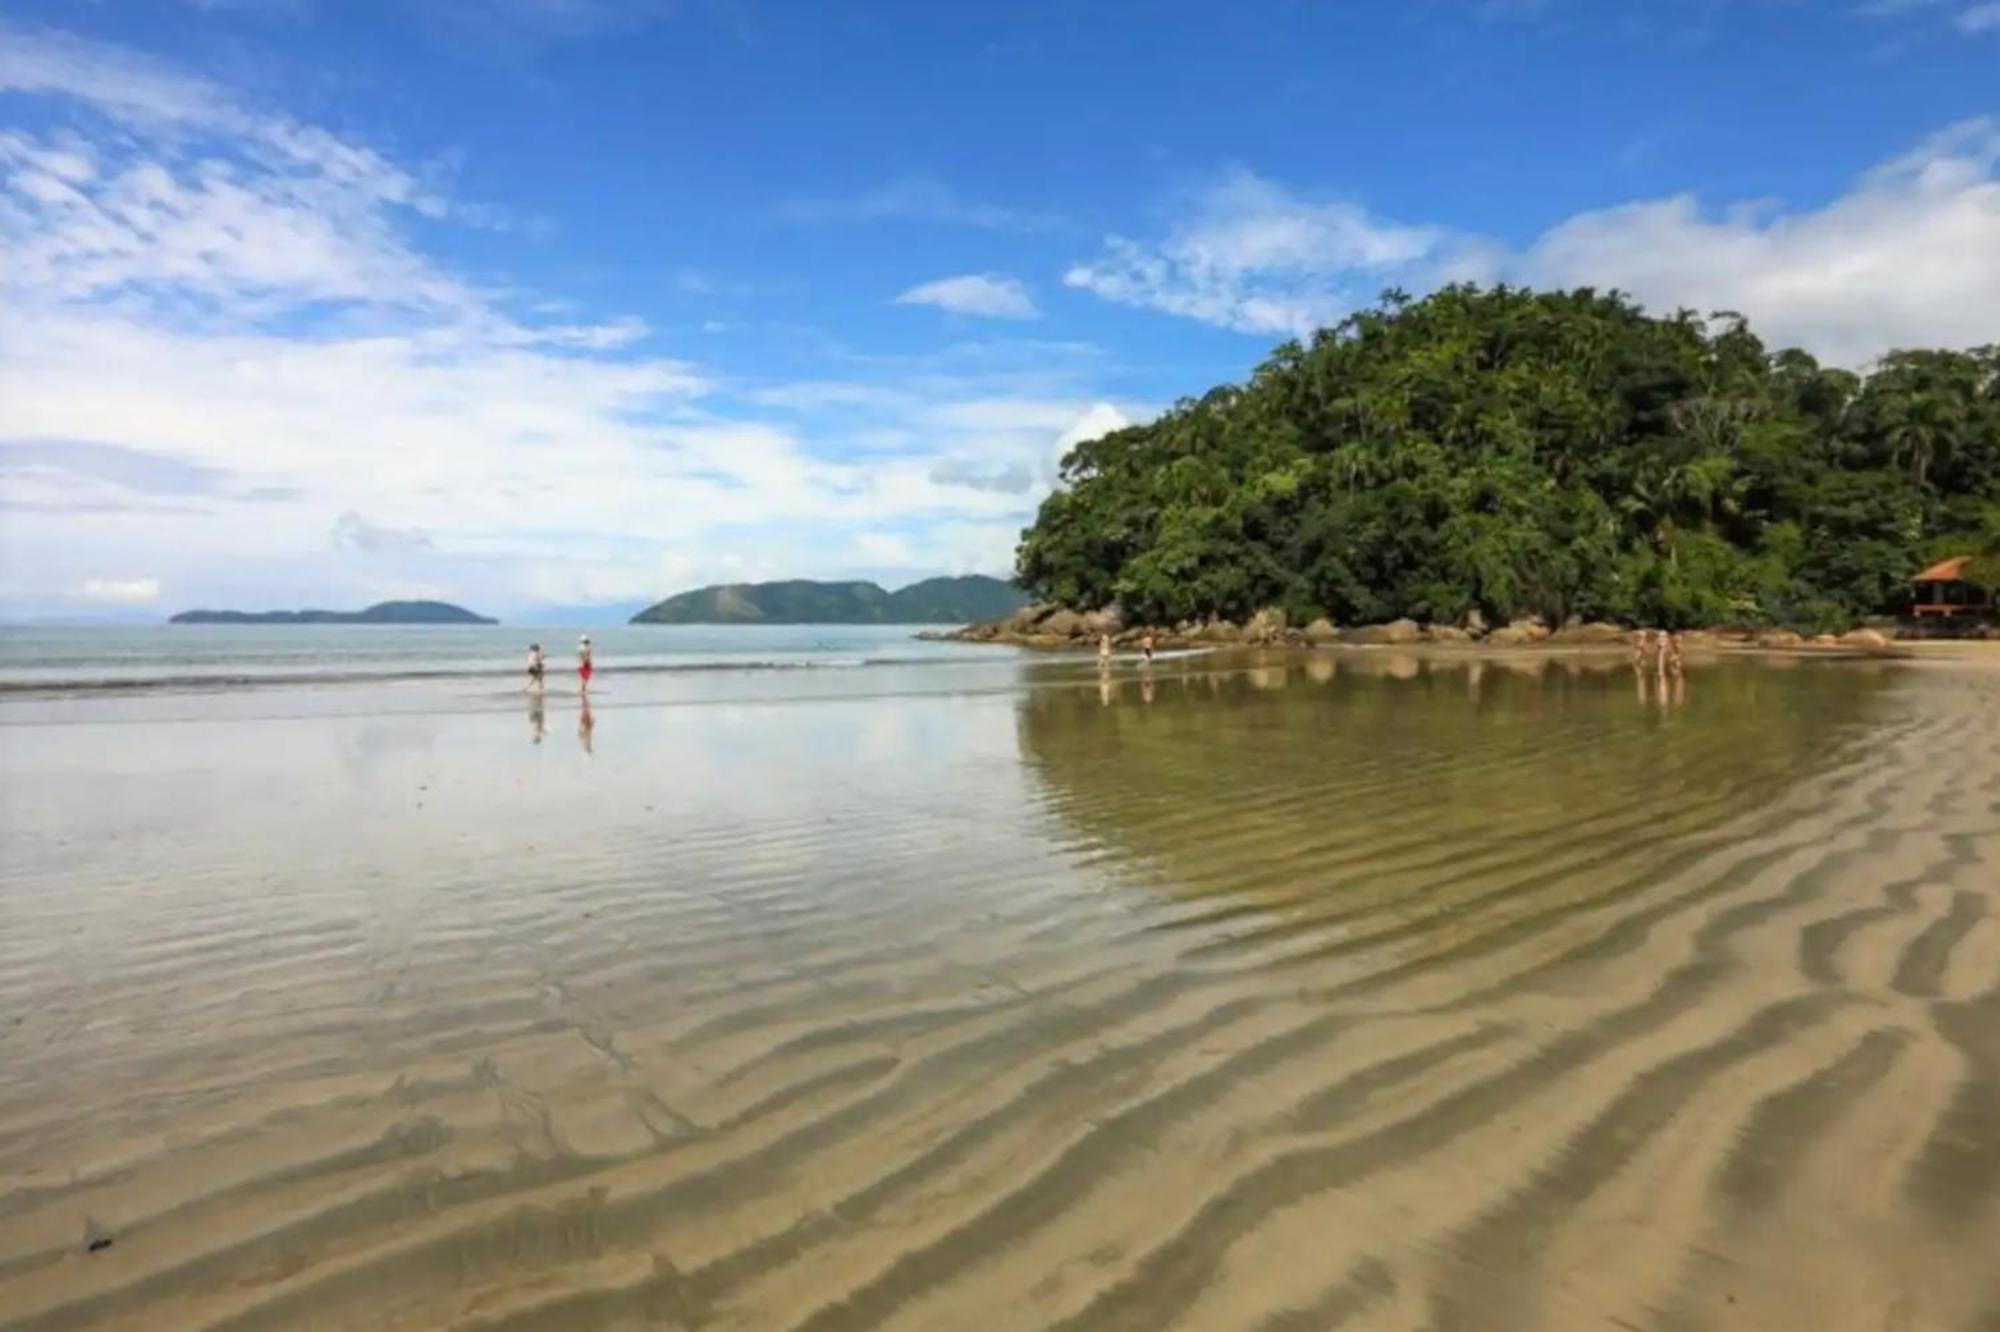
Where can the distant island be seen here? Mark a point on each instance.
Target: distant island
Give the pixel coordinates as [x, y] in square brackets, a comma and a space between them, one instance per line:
[802, 601]
[382, 612]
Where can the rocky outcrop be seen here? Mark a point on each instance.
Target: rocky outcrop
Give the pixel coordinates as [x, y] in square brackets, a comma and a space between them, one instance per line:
[1396, 633]
[1061, 624]
[1266, 626]
[1110, 620]
[1524, 632]
[1058, 627]
[1596, 632]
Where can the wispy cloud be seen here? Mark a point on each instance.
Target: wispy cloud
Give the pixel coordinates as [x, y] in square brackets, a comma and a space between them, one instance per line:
[1891, 8]
[1979, 17]
[120, 591]
[993, 295]
[351, 531]
[215, 308]
[914, 199]
[1248, 253]
[1909, 255]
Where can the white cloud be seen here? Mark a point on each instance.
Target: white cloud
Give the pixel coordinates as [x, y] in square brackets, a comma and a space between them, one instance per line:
[1979, 18]
[1909, 256]
[1251, 255]
[994, 295]
[355, 532]
[227, 360]
[884, 550]
[121, 591]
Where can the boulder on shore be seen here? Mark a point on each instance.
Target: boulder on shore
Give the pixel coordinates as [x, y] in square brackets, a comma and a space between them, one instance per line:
[1475, 623]
[1321, 631]
[1267, 625]
[1778, 638]
[1594, 632]
[1396, 632]
[1219, 631]
[1062, 624]
[1519, 633]
[1449, 633]
[1871, 640]
[1109, 620]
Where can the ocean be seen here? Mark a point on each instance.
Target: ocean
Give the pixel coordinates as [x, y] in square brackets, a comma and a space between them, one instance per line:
[81, 660]
[344, 984]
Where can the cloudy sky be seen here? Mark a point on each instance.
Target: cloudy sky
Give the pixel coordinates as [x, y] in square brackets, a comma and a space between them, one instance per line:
[536, 303]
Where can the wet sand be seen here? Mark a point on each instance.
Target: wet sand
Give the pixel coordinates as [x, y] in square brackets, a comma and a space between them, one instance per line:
[1353, 990]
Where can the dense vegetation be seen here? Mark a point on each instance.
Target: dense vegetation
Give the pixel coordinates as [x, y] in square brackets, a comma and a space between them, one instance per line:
[382, 612]
[800, 601]
[1515, 452]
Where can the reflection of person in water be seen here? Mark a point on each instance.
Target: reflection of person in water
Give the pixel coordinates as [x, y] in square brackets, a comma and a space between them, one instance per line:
[538, 719]
[1146, 688]
[585, 725]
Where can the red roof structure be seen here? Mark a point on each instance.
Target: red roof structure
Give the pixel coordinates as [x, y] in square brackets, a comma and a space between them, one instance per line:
[1945, 571]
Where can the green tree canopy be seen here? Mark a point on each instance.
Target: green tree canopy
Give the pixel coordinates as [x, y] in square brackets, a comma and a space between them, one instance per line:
[1523, 452]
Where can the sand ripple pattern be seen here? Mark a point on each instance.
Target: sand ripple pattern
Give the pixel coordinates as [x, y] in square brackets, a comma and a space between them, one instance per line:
[1272, 1002]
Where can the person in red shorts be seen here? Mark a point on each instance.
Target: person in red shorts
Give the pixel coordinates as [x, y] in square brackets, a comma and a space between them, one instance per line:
[583, 666]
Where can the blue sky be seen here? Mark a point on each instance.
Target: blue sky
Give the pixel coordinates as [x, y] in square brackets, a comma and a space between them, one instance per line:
[527, 303]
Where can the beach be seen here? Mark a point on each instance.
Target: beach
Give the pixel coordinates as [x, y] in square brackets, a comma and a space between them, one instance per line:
[962, 989]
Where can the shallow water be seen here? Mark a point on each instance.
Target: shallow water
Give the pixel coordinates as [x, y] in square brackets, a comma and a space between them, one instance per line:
[1339, 990]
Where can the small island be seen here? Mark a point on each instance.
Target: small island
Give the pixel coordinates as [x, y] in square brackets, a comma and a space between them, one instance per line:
[1536, 461]
[382, 612]
[803, 601]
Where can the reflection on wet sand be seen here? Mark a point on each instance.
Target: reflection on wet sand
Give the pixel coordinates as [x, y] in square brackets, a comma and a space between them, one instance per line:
[1349, 990]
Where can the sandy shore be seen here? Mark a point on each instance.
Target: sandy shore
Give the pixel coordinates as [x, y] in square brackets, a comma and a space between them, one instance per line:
[1354, 989]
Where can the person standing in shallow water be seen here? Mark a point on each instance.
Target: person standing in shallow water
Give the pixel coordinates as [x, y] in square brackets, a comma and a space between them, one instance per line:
[1104, 652]
[1146, 646]
[537, 664]
[584, 668]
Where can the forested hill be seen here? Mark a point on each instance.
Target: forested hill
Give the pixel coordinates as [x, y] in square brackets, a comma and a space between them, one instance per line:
[1518, 452]
[800, 601]
[384, 612]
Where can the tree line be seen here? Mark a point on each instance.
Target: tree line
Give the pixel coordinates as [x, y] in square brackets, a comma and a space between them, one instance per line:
[1518, 452]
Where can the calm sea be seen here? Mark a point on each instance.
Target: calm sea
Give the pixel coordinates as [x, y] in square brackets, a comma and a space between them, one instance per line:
[73, 659]
[1359, 989]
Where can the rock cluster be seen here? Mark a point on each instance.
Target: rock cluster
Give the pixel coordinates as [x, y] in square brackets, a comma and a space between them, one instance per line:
[1046, 626]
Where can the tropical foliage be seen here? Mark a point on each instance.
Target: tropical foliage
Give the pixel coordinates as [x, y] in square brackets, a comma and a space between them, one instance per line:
[1520, 452]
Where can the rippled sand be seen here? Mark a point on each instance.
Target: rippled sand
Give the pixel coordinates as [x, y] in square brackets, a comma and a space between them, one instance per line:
[1359, 992]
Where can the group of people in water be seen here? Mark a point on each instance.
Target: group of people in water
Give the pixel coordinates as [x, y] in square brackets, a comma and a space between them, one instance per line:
[1658, 655]
[538, 667]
